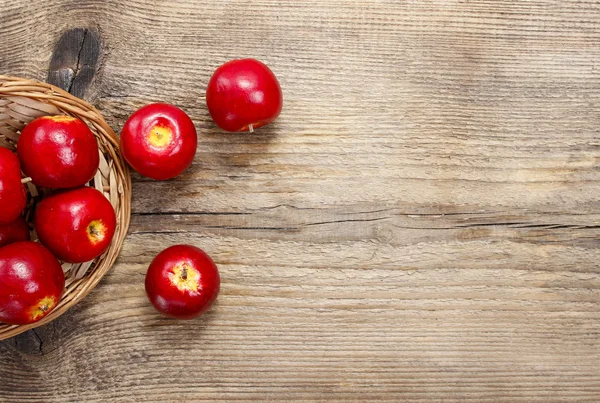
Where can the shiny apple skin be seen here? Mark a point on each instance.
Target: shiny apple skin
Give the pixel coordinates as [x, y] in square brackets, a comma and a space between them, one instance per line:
[241, 93]
[170, 299]
[159, 161]
[14, 231]
[76, 225]
[12, 192]
[58, 152]
[31, 283]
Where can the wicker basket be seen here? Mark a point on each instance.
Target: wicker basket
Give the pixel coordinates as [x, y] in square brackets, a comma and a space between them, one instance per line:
[23, 100]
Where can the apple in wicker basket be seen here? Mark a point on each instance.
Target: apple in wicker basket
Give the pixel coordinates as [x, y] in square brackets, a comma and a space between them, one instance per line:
[14, 231]
[58, 152]
[76, 225]
[159, 141]
[31, 283]
[182, 282]
[12, 191]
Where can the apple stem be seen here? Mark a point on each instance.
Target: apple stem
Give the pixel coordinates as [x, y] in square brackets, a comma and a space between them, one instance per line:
[184, 274]
[251, 128]
[26, 180]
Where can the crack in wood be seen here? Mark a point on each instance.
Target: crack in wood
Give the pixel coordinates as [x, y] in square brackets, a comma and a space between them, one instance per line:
[74, 61]
[39, 339]
[298, 226]
[343, 221]
[189, 213]
[78, 64]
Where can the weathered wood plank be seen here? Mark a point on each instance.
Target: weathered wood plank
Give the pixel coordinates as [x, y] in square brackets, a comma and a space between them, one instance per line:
[421, 224]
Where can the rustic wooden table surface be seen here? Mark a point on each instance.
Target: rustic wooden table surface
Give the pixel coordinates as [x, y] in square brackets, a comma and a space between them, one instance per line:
[421, 223]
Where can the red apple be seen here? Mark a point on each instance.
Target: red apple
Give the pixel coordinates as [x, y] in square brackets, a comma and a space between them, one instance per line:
[31, 283]
[243, 95]
[159, 141]
[182, 282]
[58, 152]
[76, 225]
[12, 191]
[14, 231]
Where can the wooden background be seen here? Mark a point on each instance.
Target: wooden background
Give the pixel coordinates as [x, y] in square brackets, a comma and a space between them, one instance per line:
[421, 223]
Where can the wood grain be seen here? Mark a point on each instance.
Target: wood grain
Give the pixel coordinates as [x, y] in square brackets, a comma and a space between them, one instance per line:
[421, 224]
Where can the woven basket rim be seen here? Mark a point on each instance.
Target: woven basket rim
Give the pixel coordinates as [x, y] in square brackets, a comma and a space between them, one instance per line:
[108, 143]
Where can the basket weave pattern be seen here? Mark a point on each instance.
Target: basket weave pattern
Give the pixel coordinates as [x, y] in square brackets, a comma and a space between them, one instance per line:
[23, 100]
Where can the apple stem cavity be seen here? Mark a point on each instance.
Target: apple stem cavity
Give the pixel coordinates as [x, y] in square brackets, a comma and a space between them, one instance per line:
[184, 274]
[251, 128]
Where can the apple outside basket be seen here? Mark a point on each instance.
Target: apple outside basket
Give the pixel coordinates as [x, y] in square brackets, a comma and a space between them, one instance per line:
[21, 101]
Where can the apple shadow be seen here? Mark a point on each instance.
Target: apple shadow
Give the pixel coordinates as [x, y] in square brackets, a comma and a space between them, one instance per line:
[238, 150]
[156, 325]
